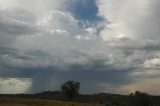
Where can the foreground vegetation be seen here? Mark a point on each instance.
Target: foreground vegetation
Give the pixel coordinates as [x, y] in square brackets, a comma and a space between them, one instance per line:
[7, 101]
[57, 98]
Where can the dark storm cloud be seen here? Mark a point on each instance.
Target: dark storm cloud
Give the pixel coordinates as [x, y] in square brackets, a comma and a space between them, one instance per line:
[12, 63]
[90, 79]
[17, 22]
[57, 48]
[44, 78]
[92, 76]
[13, 53]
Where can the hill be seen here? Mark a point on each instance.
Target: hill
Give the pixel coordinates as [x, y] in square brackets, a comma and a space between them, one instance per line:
[100, 98]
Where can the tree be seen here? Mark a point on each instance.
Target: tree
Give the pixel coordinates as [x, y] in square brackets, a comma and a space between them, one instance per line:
[140, 98]
[70, 88]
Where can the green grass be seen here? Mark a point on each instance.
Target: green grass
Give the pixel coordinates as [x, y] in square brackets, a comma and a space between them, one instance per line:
[39, 102]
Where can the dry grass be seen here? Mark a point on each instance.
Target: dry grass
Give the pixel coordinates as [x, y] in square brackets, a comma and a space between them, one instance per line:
[38, 102]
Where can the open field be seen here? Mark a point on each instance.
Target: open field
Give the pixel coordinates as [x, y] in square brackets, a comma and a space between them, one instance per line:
[57, 98]
[38, 102]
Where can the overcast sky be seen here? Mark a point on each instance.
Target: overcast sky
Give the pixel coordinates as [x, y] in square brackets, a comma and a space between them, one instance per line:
[106, 45]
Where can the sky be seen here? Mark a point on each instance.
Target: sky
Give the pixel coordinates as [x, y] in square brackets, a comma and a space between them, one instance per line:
[107, 45]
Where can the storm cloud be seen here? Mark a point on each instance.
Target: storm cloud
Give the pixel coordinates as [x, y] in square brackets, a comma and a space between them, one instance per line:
[50, 42]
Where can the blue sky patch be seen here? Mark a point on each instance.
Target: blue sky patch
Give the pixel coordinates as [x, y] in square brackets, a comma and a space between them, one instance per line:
[84, 10]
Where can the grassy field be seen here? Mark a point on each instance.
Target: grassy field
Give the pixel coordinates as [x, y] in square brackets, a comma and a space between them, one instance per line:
[38, 102]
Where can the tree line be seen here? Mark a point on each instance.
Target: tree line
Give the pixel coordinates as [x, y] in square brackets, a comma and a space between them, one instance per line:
[71, 89]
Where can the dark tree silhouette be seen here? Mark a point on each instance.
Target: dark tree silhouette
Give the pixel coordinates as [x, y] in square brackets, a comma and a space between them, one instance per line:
[70, 88]
[140, 99]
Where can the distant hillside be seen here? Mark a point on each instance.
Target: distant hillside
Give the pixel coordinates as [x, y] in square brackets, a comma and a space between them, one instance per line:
[101, 98]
